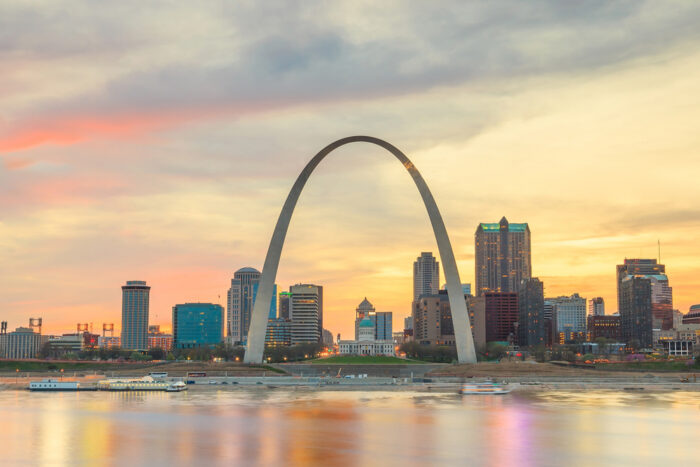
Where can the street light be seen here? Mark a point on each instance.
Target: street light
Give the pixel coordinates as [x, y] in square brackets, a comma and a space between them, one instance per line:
[61, 374]
[16, 376]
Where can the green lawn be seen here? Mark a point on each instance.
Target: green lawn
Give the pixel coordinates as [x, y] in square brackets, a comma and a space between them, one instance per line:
[360, 360]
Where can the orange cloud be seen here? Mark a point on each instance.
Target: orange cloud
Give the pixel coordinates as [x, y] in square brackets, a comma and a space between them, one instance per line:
[75, 129]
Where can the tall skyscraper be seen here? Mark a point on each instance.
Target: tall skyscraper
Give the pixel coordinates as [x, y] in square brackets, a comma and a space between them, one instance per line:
[502, 256]
[426, 275]
[197, 325]
[135, 300]
[634, 267]
[364, 310]
[306, 313]
[596, 306]
[531, 329]
[240, 299]
[661, 298]
[636, 319]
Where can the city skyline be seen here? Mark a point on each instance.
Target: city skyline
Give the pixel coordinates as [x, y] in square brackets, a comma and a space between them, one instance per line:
[122, 178]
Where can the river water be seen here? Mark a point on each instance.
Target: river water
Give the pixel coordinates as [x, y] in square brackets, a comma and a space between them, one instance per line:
[337, 428]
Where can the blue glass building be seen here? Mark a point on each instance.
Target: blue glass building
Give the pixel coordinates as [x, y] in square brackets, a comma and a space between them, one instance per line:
[197, 325]
[383, 325]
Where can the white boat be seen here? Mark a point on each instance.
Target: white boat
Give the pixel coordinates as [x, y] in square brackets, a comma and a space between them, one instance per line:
[177, 386]
[483, 388]
[54, 385]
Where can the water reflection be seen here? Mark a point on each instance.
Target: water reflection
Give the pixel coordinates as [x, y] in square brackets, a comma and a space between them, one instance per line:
[274, 427]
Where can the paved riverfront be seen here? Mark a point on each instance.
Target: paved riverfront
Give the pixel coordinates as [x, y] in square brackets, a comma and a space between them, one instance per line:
[284, 426]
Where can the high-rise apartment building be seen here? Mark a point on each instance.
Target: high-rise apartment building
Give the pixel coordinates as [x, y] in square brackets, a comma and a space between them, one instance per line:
[135, 303]
[197, 325]
[426, 275]
[596, 306]
[240, 299]
[569, 318]
[306, 313]
[531, 329]
[503, 256]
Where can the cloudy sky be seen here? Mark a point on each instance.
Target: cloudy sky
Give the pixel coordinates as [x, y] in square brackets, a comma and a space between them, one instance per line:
[157, 141]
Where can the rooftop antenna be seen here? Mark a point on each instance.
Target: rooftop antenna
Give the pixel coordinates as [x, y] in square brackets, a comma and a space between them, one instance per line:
[659, 241]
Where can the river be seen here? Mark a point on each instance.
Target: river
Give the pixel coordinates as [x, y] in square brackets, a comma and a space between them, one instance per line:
[338, 428]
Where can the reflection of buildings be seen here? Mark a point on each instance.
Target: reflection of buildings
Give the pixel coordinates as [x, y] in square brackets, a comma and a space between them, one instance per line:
[502, 256]
[135, 299]
[366, 344]
[197, 325]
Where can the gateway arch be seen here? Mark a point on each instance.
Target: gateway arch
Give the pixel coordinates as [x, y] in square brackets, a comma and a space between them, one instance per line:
[460, 317]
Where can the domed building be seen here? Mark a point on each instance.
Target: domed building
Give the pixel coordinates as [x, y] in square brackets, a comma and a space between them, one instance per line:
[366, 344]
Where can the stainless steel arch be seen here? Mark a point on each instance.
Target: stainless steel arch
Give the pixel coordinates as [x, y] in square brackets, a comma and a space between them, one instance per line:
[460, 317]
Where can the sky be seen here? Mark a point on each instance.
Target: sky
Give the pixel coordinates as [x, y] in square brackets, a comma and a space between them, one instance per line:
[158, 141]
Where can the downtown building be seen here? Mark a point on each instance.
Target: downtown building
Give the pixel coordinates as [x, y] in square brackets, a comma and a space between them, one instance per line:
[607, 326]
[645, 299]
[596, 306]
[531, 329]
[135, 303]
[240, 300]
[568, 318]
[22, 343]
[432, 320]
[197, 325]
[503, 257]
[366, 343]
[426, 275]
[306, 312]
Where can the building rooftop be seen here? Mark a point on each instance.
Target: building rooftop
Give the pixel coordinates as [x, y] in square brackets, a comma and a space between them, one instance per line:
[248, 269]
[366, 323]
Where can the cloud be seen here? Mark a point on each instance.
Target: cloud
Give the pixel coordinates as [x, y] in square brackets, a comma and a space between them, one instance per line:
[314, 56]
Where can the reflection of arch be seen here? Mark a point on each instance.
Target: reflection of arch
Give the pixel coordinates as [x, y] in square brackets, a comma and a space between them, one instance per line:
[460, 318]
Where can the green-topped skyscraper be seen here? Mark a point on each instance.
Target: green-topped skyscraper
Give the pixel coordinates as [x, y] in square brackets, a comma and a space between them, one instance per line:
[502, 256]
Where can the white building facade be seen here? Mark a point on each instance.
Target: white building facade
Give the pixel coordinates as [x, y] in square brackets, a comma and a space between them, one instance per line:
[366, 344]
